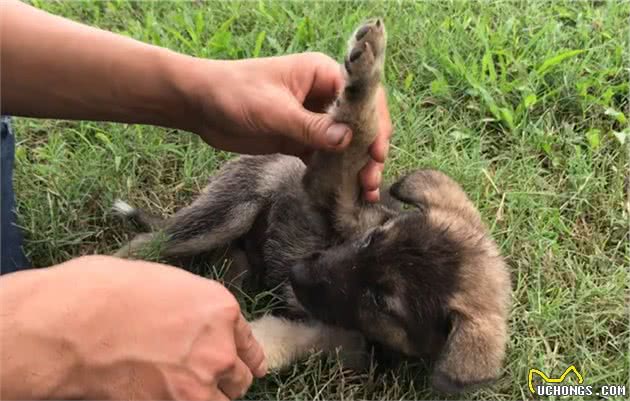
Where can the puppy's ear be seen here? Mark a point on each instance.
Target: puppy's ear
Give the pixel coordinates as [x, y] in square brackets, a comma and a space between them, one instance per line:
[427, 188]
[407, 190]
[473, 354]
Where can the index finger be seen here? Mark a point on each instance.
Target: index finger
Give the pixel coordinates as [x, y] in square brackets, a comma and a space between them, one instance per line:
[320, 78]
[248, 349]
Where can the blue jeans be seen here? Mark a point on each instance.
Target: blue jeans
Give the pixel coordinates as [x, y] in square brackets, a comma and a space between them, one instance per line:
[12, 257]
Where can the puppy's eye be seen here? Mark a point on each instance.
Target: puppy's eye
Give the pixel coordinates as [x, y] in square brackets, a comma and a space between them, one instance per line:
[378, 300]
[314, 256]
[367, 240]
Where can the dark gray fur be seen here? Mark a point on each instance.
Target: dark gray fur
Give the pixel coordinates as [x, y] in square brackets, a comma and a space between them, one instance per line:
[428, 282]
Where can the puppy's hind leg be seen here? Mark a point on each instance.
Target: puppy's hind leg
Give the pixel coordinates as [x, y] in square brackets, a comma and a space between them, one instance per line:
[196, 230]
[213, 220]
[230, 204]
[133, 247]
[143, 220]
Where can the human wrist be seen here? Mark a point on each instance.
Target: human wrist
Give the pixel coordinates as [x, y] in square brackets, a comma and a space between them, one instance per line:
[198, 85]
[36, 351]
[158, 97]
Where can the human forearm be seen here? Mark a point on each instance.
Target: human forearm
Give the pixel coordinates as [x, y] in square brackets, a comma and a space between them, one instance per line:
[56, 68]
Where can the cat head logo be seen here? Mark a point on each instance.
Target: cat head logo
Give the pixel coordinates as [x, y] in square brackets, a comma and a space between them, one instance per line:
[549, 380]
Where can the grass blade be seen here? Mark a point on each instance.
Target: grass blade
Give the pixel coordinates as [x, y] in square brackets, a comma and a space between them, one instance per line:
[555, 60]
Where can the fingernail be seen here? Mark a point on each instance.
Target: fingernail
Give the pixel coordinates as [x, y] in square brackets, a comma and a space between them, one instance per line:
[263, 368]
[336, 134]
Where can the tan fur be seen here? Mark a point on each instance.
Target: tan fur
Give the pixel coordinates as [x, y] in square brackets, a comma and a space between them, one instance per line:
[131, 249]
[476, 346]
[477, 304]
[286, 341]
[334, 174]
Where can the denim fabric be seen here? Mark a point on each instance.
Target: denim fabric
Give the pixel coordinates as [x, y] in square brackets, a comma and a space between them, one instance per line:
[12, 257]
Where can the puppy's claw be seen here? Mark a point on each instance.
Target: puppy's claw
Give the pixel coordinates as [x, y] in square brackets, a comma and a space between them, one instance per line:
[364, 59]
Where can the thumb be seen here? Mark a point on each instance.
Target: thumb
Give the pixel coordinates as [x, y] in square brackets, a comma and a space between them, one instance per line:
[318, 130]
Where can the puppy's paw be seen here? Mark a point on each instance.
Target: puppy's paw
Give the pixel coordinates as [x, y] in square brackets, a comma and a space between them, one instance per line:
[357, 360]
[366, 54]
[123, 209]
[352, 351]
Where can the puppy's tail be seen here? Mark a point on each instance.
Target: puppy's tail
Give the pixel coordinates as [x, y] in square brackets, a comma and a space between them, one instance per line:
[144, 220]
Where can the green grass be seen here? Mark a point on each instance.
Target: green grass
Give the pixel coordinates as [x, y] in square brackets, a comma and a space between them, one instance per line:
[525, 103]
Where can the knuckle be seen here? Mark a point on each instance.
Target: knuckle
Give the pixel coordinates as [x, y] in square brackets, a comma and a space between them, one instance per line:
[227, 363]
[321, 62]
[248, 347]
[315, 55]
[245, 381]
[233, 312]
[389, 130]
[225, 297]
[249, 379]
[364, 176]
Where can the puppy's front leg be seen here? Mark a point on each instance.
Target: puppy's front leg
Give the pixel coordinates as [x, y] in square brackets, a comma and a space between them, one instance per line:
[333, 175]
[287, 341]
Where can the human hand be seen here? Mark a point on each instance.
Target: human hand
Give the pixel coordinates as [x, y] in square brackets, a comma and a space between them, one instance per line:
[106, 328]
[251, 106]
[277, 104]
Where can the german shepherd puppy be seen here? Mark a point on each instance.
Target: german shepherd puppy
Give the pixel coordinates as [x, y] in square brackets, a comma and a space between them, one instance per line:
[422, 282]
